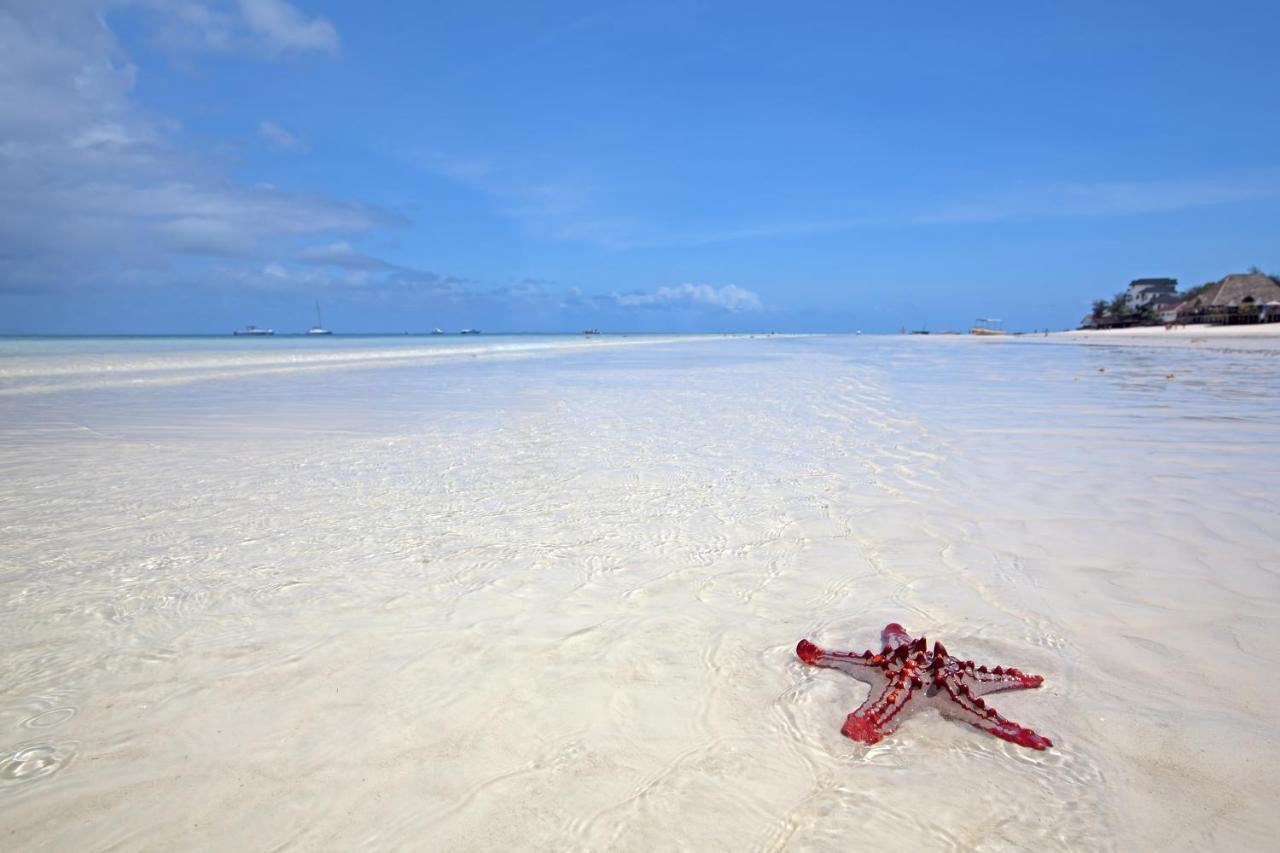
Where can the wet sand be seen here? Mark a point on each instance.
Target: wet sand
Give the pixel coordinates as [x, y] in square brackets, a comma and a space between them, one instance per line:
[549, 599]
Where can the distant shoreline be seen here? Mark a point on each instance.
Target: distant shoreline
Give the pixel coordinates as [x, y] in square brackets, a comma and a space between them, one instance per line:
[1264, 336]
[1252, 330]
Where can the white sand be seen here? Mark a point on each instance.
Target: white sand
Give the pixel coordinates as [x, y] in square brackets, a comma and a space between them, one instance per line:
[550, 601]
[1261, 336]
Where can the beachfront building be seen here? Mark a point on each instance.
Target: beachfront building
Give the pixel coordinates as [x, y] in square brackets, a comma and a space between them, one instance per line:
[1142, 303]
[1164, 306]
[1252, 297]
[1236, 299]
[1144, 292]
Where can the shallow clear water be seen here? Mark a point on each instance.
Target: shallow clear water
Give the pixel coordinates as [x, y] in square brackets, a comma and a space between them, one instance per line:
[366, 593]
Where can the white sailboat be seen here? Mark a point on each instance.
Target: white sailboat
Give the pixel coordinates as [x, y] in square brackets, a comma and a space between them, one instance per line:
[318, 328]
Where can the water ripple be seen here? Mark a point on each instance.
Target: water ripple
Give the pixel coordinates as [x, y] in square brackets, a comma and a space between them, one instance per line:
[32, 762]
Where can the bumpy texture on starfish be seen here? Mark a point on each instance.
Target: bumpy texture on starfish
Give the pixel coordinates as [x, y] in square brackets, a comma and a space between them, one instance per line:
[906, 674]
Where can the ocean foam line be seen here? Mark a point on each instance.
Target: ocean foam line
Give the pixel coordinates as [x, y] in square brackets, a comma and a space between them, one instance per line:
[106, 376]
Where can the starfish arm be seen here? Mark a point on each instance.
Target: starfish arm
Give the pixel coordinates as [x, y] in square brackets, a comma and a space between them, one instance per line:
[982, 681]
[963, 705]
[881, 713]
[853, 663]
[894, 635]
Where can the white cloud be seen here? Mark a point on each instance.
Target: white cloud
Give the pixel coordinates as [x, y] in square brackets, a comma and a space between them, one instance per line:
[284, 27]
[342, 254]
[571, 209]
[538, 204]
[1102, 198]
[995, 204]
[729, 298]
[277, 137]
[91, 182]
[268, 27]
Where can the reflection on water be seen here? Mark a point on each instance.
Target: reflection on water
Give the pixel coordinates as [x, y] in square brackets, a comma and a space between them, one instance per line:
[552, 601]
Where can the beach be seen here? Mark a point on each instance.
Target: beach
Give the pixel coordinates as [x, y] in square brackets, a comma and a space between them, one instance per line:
[544, 592]
[1247, 336]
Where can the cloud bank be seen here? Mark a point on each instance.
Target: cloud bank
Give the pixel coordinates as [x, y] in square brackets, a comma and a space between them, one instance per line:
[728, 298]
[99, 194]
[91, 183]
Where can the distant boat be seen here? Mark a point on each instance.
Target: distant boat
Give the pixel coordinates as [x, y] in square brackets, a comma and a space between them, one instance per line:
[469, 332]
[254, 331]
[437, 331]
[591, 331]
[318, 328]
[987, 326]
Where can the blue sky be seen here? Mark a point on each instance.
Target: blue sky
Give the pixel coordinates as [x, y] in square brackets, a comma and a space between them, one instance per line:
[197, 165]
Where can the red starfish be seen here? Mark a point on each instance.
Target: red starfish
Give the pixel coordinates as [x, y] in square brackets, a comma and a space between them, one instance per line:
[906, 670]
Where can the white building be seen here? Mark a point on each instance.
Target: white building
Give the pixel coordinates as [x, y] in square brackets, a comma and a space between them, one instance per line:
[1144, 291]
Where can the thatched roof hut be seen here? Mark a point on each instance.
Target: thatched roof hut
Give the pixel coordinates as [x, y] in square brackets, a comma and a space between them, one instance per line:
[1235, 290]
[1222, 301]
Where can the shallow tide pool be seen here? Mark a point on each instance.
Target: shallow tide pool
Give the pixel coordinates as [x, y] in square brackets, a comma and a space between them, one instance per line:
[546, 594]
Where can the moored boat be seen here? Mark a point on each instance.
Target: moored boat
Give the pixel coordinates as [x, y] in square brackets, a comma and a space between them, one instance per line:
[318, 328]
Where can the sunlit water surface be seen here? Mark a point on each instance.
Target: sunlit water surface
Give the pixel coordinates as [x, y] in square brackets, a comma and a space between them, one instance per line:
[544, 593]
